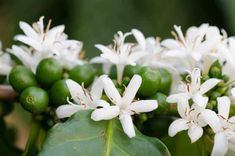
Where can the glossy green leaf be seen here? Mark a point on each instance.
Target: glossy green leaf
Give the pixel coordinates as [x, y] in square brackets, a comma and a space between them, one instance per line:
[84, 137]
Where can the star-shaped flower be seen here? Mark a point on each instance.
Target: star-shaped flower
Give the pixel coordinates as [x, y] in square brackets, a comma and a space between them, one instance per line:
[191, 48]
[128, 107]
[190, 120]
[120, 54]
[87, 100]
[5, 62]
[223, 127]
[194, 89]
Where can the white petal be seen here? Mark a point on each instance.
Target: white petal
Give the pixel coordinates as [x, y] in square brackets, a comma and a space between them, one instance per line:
[200, 100]
[195, 132]
[177, 126]
[98, 59]
[97, 88]
[143, 106]
[65, 111]
[212, 120]
[139, 37]
[183, 107]
[208, 85]
[111, 91]
[77, 92]
[30, 42]
[132, 89]
[105, 113]
[133, 57]
[127, 125]
[233, 92]
[223, 106]
[170, 44]
[220, 147]
[104, 49]
[196, 78]
[174, 98]
[28, 30]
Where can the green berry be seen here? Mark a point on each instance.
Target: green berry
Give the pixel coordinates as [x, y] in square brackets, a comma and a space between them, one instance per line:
[166, 81]
[83, 74]
[130, 71]
[163, 106]
[151, 81]
[48, 71]
[21, 77]
[34, 100]
[59, 93]
[215, 70]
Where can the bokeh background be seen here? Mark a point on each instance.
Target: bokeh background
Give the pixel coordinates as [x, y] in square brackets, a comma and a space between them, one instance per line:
[95, 21]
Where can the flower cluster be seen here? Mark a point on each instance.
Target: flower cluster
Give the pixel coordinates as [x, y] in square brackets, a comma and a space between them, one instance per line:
[199, 61]
[123, 107]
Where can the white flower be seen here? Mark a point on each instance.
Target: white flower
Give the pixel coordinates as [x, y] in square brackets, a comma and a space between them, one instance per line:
[223, 127]
[69, 55]
[87, 100]
[5, 62]
[26, 56]
[191, 48]
[194, 89]
[190, 120]
[127, 106]
[227, 50]
[120, 54]
[41, 38]
[45, 42]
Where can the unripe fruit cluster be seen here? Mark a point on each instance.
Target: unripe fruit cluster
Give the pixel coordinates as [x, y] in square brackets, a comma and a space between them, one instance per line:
[47, 87]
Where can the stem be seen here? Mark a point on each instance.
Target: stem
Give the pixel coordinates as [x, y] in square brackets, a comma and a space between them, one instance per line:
[7, 92]
[120, 69]
[30, 148]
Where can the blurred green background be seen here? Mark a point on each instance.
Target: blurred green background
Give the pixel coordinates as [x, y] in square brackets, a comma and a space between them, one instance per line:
[95, 21]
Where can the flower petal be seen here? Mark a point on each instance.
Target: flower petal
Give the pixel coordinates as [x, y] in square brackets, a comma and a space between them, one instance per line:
[195, 132]
[220, 147]
[104, 49]
[174, 98]
[183, 107]
[139, 37]
[208, 85]
[28, 41]
[177, 126]
[132, 89]
[28, 30]
[212, 120]
[223, 106]
[97, 88]
[106, 113]
[200, 100]
[77, 92]
[111, 91]
[65, 111]
[144, 106]
[127, 125]
[233, 92]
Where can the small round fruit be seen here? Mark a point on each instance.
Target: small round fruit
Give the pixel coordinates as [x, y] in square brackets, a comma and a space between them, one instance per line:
[166, 81]
[151, 81]
[83, 74]
[48, 71]
[59, 93]
[34, 100]
[163, 106]
[21, 77]
[130, 70]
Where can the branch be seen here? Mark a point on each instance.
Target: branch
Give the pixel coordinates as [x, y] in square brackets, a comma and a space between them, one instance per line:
[7, 93]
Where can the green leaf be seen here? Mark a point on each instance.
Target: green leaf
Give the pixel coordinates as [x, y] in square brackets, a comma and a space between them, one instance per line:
[84, 137]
